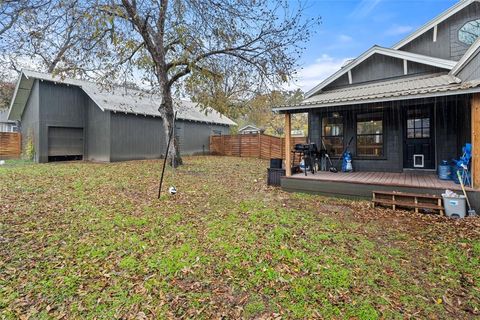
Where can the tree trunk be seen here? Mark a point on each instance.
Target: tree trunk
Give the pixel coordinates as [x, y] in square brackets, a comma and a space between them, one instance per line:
[166, 109]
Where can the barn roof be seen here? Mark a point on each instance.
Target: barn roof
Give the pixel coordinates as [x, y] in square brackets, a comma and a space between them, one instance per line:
[4, 117]
[116, 99]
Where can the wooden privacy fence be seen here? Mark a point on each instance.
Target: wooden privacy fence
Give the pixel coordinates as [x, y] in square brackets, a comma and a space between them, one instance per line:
[251, 145]
[10, 145]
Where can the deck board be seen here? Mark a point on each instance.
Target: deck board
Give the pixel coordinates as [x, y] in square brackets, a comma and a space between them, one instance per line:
[406, 179]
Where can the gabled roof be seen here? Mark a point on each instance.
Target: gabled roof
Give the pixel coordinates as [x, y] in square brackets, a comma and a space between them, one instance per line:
[414, 87]
[250, 127]
[435, 21]
[116, 99]
[414, 57]
[466, 58]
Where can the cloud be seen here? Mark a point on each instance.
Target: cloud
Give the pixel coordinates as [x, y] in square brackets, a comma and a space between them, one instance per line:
[312, 74]
[364, 8]
[344, 38]
[396, 30]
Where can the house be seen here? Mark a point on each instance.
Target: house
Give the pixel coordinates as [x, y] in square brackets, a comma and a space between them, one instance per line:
[250, 129]
[5, 124]
[297, 133]
[66, 119]
[404, 108]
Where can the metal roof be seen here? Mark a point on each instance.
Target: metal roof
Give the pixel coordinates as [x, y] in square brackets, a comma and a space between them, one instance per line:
[116, 99]
[409, 56]
[4, 117]
[438, 84]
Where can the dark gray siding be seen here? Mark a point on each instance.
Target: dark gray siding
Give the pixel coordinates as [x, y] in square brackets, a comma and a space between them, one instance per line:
[472, 70]
[135, 137]
[97, 133]
[377, 67]
[30, 121]
[452, 130]
[393, 156]
[194, 137]
[380, 67]
[340, 82]
[447, 45]
[60, 106]
[453, 127]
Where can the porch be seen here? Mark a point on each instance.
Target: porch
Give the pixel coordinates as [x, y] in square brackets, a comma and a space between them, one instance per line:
[359, 185]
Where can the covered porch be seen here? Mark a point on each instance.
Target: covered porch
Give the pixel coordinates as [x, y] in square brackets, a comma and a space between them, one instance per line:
[395, 145]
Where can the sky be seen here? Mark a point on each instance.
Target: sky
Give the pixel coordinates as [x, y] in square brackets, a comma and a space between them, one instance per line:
[351, 27]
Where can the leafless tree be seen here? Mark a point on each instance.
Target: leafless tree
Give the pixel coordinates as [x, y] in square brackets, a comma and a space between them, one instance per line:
[174, 39]
[48, 35]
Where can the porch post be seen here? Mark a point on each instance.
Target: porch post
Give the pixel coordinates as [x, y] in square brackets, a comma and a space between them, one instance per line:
[288, 145]
[475, 109]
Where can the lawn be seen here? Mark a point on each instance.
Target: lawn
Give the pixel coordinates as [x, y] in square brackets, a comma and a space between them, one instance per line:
[91, 241]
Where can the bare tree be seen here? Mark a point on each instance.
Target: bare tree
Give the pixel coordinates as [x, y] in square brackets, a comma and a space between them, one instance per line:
[162, 41]
[170, 40]
[48, 35]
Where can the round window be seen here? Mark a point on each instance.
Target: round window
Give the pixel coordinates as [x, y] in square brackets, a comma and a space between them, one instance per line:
[469, 32]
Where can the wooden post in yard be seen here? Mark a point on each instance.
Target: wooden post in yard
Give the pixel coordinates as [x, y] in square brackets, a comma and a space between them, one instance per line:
[288, 144]
[475, 140]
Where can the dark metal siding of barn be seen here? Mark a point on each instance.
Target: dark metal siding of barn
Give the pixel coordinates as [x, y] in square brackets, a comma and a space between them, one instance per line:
[447, 45]
[30, 121]
[194, 137]
[60, 106]
[97, 133]
[135, 137]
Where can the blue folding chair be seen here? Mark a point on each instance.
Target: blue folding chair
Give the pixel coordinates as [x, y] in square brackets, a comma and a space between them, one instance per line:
[463, 164]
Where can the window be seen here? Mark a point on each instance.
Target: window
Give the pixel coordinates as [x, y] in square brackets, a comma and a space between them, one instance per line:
[418, 124]
[370, 134]
[332, 133]
[217, 132]
[469, 32]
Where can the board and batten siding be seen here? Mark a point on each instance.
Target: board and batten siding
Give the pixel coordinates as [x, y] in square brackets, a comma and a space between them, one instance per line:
[60, 106]
[392, 160]
[30, 125]
[452, 130]
[97, 133]
[447, 45]
[381, 67]
[471, 70]
[194, 137]
[136, 137]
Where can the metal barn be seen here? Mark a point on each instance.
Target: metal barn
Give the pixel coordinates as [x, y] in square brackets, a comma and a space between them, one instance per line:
[67, 119]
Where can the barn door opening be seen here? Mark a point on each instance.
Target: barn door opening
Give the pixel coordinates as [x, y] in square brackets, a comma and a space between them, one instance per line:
[65, 144]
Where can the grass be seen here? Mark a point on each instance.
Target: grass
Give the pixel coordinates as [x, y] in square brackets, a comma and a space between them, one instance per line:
[91, 241]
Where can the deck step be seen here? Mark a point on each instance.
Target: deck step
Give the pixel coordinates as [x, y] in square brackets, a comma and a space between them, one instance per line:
[408, 200]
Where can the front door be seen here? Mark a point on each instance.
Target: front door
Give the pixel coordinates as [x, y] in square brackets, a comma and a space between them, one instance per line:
[419, 146]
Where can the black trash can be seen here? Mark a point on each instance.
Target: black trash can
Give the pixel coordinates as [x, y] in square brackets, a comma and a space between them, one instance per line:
[276, 163]
[274, 175]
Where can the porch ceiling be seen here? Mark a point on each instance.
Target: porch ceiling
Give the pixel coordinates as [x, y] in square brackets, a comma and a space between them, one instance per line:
[439, 84]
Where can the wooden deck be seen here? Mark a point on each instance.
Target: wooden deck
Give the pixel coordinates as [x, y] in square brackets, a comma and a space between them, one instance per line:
[360, 185]
[406, 179]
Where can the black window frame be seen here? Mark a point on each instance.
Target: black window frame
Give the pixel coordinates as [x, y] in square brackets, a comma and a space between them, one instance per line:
[382, 156]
